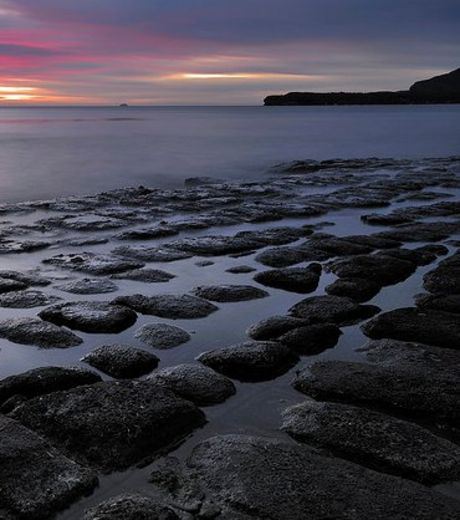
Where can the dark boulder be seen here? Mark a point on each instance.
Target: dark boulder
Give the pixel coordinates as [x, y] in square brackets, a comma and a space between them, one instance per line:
[229, 293]
[294, 279]
[36, 479]
[111, 425]
[274, 327]
[121, 362]
[437, 328]
[311, 339]
[197, 383]
[376, 440]
[162, 336]
[33, 331]
[332, 309]
[251, 360]
[170, 306]
[90, 316]
[359, 289]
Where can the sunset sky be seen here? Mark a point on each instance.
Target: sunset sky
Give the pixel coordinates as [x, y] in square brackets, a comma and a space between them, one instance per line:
[211, 52]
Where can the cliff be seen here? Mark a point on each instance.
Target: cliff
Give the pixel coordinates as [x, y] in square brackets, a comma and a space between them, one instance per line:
[440, 89]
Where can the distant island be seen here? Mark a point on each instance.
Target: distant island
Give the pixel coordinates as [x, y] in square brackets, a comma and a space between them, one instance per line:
[439, 89]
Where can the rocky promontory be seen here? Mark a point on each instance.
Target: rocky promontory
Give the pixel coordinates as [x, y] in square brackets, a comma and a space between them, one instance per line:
[439, 89]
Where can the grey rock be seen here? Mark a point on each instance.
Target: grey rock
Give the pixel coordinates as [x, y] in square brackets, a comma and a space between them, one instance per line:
[437, 328]
[89, 286]
[8, 247]
[379, 268]
[400, 379]
[332, 309]
[151, 233]
[162, 335]
[251, 360]
[311, 339]
[145, 275]
[28, 278]
[439, 302]
[152, 254]
[90, 316]
[111, 425]
[240, 269]
[376, 440]
[121, 362]
[274, 327]
[37, 480]
[229, 293]
[239, 477]
[130, 506]
[359, 289]
[92, 263]
[26, 299]
[421, 232]
[33, 331]
[44, 380]
[7, 285]
[197, 383]
[171, 306]
[294, 279]
[445, 279]
[287, 256]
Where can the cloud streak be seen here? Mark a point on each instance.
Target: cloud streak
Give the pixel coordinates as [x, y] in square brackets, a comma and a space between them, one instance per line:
[214, 51]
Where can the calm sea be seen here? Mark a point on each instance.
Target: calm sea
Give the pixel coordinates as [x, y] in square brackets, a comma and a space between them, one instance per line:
[47, 152]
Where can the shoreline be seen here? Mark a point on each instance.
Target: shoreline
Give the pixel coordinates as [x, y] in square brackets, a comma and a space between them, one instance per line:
[337, 250]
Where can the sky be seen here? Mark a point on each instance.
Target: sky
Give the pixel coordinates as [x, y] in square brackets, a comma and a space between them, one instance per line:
[218, 52]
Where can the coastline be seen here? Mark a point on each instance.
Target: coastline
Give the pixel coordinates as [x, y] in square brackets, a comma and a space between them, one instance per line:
[312, 226]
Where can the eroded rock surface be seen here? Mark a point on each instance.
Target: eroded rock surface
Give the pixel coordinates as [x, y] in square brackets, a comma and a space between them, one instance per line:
[110, 425]
[195, 382]
[294, 279]
[251, 360]
[254, 478]
[229, 293]
[90, 316]
[121, 362]
[162, 336]
[376, 440]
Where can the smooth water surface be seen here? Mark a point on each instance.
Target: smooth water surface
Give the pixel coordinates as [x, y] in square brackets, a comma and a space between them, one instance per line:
[48, 152]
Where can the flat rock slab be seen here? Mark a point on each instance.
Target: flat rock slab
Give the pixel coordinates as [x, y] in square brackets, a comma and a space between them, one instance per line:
[274, 326]
[7, 285]
[197, 383]
[44, 380]
[287, 256]
[445, 279]
[251, 360]
[421, 232]
[254, 478]
[162, 335]
[176, 307]
[439, 302]
[429, 326]
[410, 379]
[90, 316]
[111, 425]
[89, 286]
[121, 362]
[33, 331]
[294, 279]
[332, 309]
[376, 440]
[151, 233]
[311, 339]
[130, 506]
[26, 299]
[145, 275]
[92, 263]
[27, 278]
[240, 269]
[359, 289]
[37, 480]
[229, 293]
[381, 269]
[152, 254]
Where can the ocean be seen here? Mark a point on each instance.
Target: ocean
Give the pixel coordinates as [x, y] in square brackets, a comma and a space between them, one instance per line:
[50, 152]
